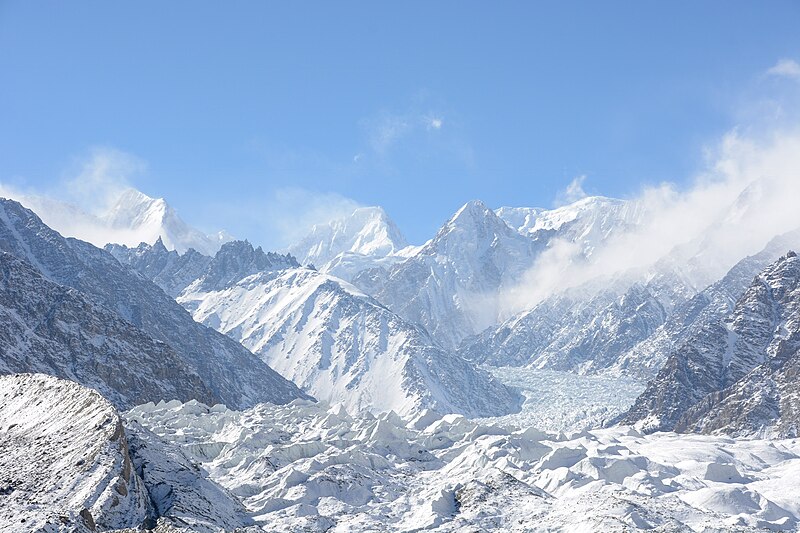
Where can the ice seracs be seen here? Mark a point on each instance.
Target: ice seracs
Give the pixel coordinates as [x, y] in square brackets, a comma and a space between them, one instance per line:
[315, 467]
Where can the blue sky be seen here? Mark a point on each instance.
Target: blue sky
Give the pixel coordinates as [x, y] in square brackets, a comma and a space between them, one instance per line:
[247, 113]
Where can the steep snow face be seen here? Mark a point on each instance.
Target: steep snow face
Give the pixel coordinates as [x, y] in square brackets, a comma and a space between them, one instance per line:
[342, 346]
[589, 221]
[52, 329]
[757, 341]
[314, 468]
[153, 218]
[368, 231]
[64, 462]
[233, 374]
[449, 285]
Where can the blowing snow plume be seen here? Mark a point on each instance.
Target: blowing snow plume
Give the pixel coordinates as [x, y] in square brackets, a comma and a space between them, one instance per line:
[748, 194]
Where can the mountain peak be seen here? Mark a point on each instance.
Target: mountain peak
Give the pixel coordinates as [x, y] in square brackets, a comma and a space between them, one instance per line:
[149, 219]
[366, 231]
[474, 214]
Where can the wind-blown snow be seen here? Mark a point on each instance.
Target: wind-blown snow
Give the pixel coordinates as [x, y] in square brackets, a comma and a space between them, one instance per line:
[132, 219]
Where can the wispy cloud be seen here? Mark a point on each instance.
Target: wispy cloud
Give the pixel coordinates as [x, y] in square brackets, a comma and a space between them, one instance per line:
[387, 129]
[434, 123]
[74, 204]
[746, 195]
[572, 192]
[785, 68]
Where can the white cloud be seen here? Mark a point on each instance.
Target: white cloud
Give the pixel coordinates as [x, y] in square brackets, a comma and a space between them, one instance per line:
[747, 194]
[785, 68]
[385, 130]
[572, 193]
[434, 123]
[72, 206]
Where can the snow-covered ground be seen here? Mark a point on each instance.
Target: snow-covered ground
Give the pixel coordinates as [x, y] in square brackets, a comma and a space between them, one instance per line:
[312, 467]
[563, 401]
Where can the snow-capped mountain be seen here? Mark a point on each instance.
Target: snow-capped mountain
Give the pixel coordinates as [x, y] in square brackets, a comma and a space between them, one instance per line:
[367, 238]
[589, 221]
[456, 284]
[342, 346]
[234, 375]
[151, 219]
[449, 285]
[367, 231]
[132, 219]
[324, 334]
[734, 374]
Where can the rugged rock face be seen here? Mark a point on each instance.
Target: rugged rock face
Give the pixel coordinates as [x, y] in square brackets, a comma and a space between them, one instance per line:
[233, 374]
[168, 269]
[70, 463]
[64, 461]
[708, 306]
[583, 330]
[174, 272]
[237, 260]
[58, 331]
[764, 403]
[342, 346]
[734, 374]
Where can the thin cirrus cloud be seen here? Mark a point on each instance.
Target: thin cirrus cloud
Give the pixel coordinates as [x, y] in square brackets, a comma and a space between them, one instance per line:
[386, 130]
